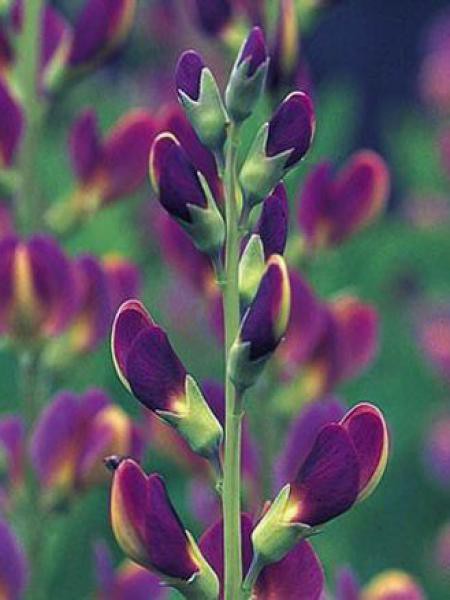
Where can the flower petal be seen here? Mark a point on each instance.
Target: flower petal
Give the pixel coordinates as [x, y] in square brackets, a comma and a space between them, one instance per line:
[273, 223]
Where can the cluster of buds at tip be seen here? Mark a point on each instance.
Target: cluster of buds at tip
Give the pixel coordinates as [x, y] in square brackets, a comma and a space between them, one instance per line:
[149, 368]
[344, 465]
[247, 77]
[333, 207]
[200, 97]
[185, 194]
[278, 146]
[263, 325]
[149, 531]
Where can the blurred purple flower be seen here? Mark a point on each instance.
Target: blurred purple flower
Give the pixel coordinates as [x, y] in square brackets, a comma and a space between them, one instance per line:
[72, 437]
[333, 207]
[12, 444]
[433, 333]
[11, 124]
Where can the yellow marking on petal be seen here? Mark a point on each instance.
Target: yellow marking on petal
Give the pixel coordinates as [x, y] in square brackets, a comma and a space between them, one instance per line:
[124, 24]
[284, 308]
[292, 510]
[80, 334]
[290, 37]
[312, 380]
[178, 405]
[389, 583]
[27, 311]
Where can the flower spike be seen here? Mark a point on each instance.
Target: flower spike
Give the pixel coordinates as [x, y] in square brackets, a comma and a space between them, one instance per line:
[279, 145]
[200, 98]
[149, 368]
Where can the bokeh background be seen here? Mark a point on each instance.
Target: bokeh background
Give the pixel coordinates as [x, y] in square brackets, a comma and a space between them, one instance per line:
[365, 60]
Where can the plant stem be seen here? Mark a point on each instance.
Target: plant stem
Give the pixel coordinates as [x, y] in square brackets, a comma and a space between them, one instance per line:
[27, 70]
[233, 419]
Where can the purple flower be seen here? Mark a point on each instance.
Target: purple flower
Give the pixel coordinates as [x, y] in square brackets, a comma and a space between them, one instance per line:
[13, 564]
[254, 51]
[12, 467]
[437, 450]
[100, 28]
[71, 438]
[347, 586]
[333, 207]
[37, 288]
[284, 54]
[149, 531]
[188, 74]
[123, 279]
[433, 333]
[298, 575]
[393, 585]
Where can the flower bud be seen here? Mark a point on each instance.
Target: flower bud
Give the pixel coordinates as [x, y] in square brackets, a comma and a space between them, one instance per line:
[185, 194]
[263, 325]
[334, 207]
[279, 145]
[200, 97]
[272, 225]
[153, 373]
[251, 269]
[149, 531]
[247, 77]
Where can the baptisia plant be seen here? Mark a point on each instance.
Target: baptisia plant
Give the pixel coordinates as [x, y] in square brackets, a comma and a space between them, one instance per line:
[261, 554]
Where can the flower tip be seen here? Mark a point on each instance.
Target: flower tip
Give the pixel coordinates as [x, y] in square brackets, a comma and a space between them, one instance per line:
[254, 50]
[188, 74]
[159, 152]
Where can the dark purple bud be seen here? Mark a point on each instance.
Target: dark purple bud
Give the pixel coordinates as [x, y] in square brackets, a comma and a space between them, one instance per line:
[273, 223]
[13, 564]
[291, 128]
[175, 177]
[254, 51]
[188, 74]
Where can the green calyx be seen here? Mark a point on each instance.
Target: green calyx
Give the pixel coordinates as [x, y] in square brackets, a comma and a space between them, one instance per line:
[274, 536]
[207, 228]
[207, 114]
[260, 173]
[197, 423]
[204, 584]
[243, 371]
[251, 269]
[243, 92]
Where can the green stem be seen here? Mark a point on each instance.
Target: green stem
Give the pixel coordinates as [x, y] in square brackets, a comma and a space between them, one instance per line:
[251, 577]
[27, 71]
[232, 456]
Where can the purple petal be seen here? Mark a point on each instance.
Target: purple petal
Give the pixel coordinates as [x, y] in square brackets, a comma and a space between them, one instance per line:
[202, 158]
[94, 313]
[254, 50]
[303, 433]
[176, 177]
[284, 55]
[393, 585]
[55, 34]
[315, 199]
[298, 575]
[273, 223]
[213, 15]
[259, 326]
[347, 587]
[358, 326]
[54, 442]
[327, 483]
[136, 583]
[188, 73]
[131, 319]
[437, 450]
[12, 439]
[168, 545]
[291, 128]
[154, 372]
[125, 154]
[7, 252]
[368, 431]
[211, 546]
[13, 567]
[306, 325]
[11, 124]
[104, 570]
[85, 145]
